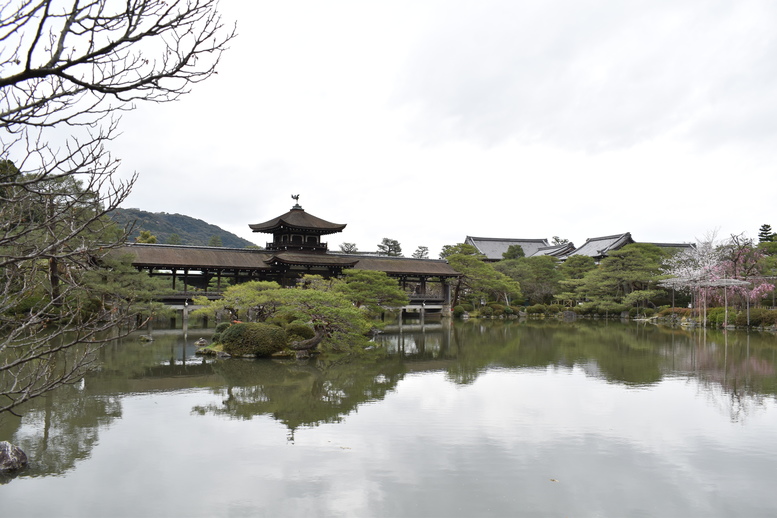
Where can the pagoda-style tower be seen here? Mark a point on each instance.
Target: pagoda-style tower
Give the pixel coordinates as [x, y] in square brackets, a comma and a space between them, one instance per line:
[297, 231]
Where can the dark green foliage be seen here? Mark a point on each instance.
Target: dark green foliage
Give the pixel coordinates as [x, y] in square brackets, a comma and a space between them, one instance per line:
[253, 339]
[182, 229]
[758, 317]
[296, 332]
[216, 338]
[486, 312]
[390, 247]
[459, 311]
[460, 248]
[514, 252]
[537, 309]
[765, 234]
[222, 326]
[468, 307]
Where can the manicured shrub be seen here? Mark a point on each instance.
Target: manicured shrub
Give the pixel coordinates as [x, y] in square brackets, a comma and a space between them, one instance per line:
[468, 307]
[509, 311]
[216, 338]
[498, 309]
[552, 309]
[486, 312]
[296, 332]
[757, 316]
[253, 339]
[678, 312]
[222, 326]
[458, 311]
[717, 316]
[537, 309]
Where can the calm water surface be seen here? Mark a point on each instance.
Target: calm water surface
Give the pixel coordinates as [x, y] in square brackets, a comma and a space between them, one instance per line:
[475, 419]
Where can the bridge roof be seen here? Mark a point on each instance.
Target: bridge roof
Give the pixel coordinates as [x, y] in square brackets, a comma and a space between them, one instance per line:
[202, 257]
[298, 219]
[312, 259]
[406, 266]
[166, 256]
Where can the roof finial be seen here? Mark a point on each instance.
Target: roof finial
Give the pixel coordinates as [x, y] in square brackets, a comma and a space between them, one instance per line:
[295, 197]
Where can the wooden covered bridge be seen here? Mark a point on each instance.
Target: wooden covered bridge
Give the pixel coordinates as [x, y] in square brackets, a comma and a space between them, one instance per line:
[296, 250]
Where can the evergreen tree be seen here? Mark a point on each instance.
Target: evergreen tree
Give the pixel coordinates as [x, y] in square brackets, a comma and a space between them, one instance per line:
[765, 234]
[514, 252]
[422, 252]
[390, 247]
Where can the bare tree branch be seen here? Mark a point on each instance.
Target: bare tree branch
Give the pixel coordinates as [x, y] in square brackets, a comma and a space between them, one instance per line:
[68, 68]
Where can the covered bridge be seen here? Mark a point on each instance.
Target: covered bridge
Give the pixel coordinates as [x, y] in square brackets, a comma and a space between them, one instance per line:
[296, 250]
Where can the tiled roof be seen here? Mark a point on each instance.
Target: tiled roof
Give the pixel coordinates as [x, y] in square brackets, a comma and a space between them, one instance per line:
[676, 246]
[599, 246]
[160, 256]
[556, 250]
[405, 265]
[297, 218]
[166, 256]
[313, 259]
[494, 247]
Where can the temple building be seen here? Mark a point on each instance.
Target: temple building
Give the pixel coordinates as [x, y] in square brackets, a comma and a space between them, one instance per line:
[598, 248]
[296, 249]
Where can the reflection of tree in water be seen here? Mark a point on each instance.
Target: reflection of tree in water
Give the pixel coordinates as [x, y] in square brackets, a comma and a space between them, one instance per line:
[60, 428]
[740, 367]
[620, 353]
[302, 393]
[737, 370]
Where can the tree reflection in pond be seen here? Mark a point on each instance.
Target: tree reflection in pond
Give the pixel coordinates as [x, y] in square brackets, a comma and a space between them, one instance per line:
[302, 393]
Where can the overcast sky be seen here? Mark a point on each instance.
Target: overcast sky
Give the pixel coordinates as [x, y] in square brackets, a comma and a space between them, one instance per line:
[429, 121]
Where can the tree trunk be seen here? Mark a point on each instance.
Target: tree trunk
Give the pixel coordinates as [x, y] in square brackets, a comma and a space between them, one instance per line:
[310, 343]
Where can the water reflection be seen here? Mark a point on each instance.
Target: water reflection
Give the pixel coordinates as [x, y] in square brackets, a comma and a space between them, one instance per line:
[736, 370]
[304, 393]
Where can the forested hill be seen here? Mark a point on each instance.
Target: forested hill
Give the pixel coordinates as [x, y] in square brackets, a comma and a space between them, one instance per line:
[166, 227]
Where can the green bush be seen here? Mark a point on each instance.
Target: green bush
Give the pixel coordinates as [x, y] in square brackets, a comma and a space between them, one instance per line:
[221, 327]
[468, 307]
[553, 309]
[679, 312]
[757, 316]
[253, 339]
[717, 316]
[296, 332]
[509, 311]
[498, 309]
[458, 311]
[537, 309]
[216, 338]
[486, 312]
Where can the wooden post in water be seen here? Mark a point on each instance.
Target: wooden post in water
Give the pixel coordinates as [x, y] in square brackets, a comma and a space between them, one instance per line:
[185, 317]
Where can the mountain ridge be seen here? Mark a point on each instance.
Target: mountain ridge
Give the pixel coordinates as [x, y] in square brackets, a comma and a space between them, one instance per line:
[165, 226]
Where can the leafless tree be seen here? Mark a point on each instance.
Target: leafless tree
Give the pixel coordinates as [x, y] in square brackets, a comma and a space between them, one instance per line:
[68, 68]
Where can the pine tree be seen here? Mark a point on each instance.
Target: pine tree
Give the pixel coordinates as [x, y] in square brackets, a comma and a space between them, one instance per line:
[765, 234]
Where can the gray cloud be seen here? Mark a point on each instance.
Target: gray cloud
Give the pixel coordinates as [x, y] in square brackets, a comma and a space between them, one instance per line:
[594, 76]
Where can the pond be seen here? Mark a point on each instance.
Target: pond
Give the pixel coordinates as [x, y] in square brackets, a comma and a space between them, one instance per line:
[477, 418]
